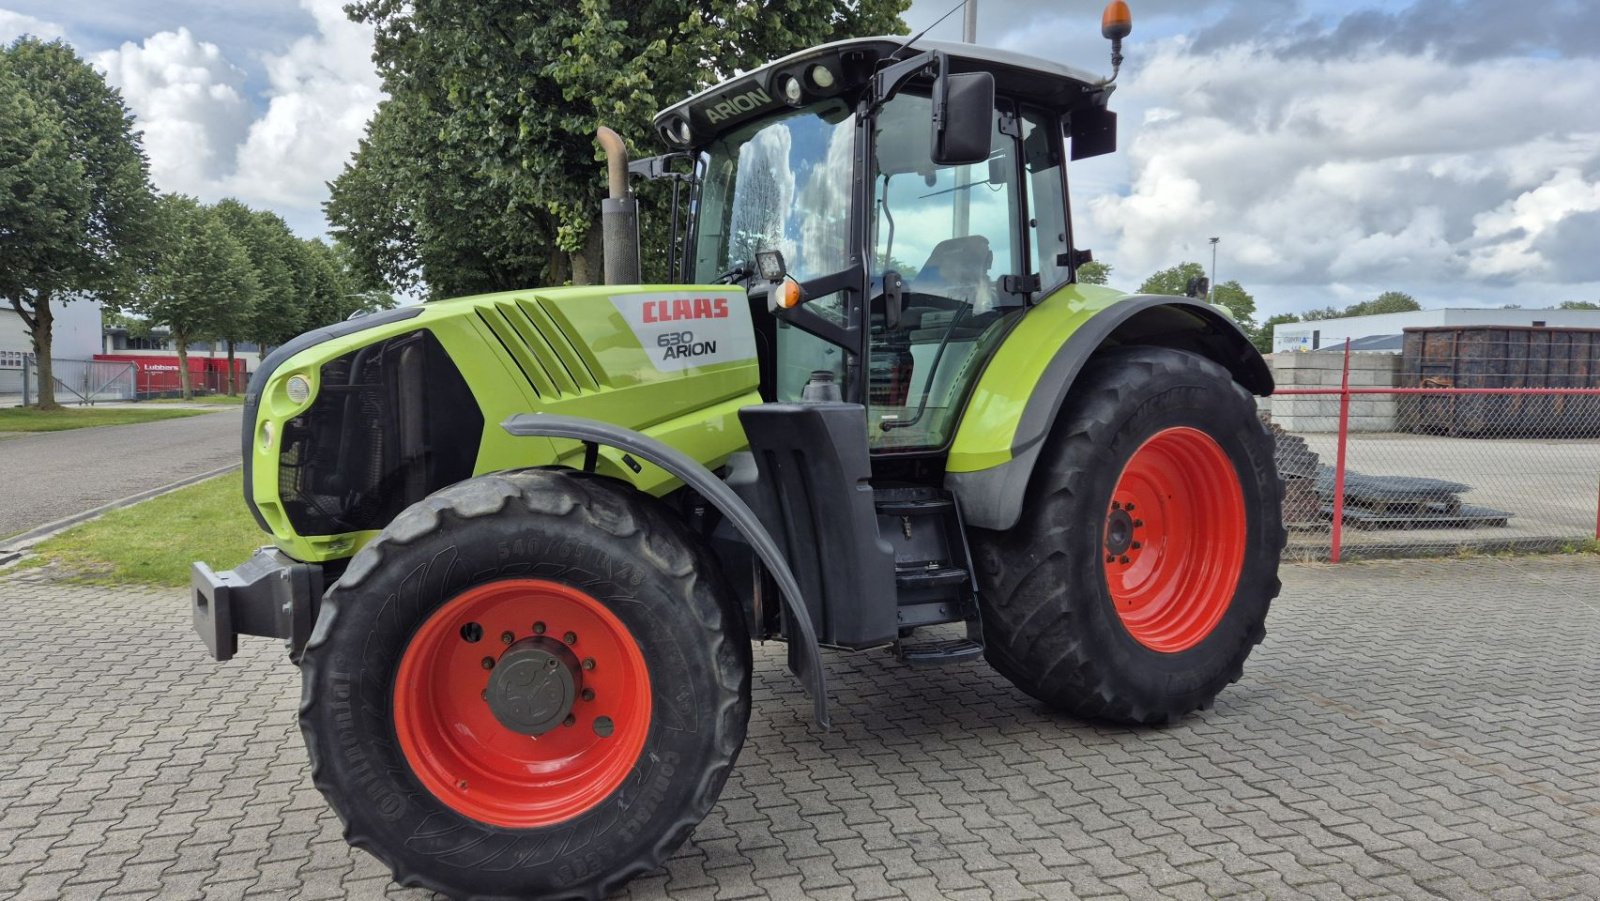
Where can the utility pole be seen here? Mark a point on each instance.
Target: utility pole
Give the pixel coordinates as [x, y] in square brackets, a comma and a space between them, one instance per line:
[1211, 289]
[963, 210]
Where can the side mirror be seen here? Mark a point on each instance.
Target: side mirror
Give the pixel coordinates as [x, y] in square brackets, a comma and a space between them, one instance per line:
[963, 118]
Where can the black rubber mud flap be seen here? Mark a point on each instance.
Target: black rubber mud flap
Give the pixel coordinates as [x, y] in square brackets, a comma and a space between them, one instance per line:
[805, 656]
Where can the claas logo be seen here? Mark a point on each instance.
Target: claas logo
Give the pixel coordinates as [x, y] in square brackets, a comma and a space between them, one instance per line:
[687, 308]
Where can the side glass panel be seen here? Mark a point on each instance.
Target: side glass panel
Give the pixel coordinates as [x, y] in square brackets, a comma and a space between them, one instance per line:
[951, 232]
[801, 353]
[1046, 197]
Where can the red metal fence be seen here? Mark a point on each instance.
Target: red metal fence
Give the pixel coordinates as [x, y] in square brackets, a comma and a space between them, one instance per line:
[1437, 470]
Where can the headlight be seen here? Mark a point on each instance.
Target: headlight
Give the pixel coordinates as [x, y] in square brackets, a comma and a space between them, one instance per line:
[298, 389]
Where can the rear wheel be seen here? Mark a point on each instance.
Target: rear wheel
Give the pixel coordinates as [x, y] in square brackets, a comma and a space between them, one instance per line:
[530, 685]
[1139, 576]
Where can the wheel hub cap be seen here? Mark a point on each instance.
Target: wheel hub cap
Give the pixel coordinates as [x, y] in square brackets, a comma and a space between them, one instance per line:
[534, 686]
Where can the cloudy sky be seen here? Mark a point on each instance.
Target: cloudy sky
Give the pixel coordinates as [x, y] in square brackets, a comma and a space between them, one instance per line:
[1448, 148]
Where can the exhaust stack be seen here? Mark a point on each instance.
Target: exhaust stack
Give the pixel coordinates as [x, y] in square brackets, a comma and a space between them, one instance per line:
[619, 214]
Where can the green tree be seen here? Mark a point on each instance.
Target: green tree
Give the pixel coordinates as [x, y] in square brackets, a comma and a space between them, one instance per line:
[1387, 302]
[205, 283]
[480, 172]
[1579, 305]
[1174, 281]
[1094, 272]
[281, 267]
[1229, 294]
[76, 202]
[336, 291]
[1262, 337]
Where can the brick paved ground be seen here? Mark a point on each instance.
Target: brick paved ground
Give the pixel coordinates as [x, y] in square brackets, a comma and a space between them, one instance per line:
[1412, 729]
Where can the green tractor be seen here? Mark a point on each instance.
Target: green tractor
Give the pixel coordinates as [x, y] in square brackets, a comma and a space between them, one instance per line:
[523, 542]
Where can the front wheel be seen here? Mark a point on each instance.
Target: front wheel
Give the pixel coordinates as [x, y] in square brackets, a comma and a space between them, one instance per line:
[530, 685]
[1139, 576]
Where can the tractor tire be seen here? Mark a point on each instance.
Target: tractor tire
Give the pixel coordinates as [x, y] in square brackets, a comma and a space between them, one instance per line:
[531, 685]
[1138, 578]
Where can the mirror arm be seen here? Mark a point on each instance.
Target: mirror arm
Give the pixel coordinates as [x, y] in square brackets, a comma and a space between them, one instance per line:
[892, 78]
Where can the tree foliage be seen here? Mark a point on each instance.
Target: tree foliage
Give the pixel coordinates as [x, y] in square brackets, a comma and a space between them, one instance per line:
[206, 284]
[1094, 272]
[1230, 294]
[1579, 305]
[76, 203]
[481, 172]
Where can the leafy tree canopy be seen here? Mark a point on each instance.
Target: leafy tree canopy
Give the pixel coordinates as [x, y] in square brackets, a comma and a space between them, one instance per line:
[1094, 272]
[480, 172]
[1229, 294]
[1579, 305]
[75, 195]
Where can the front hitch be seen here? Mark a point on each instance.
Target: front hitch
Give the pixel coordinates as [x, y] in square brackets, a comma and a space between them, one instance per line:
[270, 595]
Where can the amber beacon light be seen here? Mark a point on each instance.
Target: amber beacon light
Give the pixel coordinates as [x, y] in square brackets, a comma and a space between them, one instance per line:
[1116, 22]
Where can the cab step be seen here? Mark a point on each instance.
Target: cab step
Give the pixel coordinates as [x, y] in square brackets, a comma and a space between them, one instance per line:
[940, 653]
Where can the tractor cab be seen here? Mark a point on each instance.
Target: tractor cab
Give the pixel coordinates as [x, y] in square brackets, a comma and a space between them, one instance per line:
[916, 197]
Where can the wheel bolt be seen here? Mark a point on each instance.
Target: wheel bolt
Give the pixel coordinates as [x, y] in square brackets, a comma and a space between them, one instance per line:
[570, 638]
[538, 628]
[1111, 558]
[1125, 558]
[1116, 506]
[462, 784]
[588, 663]
[603, 726]
[507, 638]
[1129, 508]
[1138, 524]
[552, 664]
[569, 720]
[488, 663]
[588, 694]
[1137, 545]
[471, 633]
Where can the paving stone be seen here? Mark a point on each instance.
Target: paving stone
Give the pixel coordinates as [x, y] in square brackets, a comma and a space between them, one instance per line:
[1397, 736]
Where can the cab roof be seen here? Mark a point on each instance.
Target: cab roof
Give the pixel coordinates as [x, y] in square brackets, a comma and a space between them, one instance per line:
[852, 63]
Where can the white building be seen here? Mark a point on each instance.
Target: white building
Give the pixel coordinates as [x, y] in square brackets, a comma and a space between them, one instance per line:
[1369, 332]
[76, 335]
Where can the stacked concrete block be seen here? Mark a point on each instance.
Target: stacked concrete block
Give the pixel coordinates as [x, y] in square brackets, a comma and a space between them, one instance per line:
[1320, 413]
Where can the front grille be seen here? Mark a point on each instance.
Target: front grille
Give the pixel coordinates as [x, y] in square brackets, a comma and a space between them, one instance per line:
[392, 422]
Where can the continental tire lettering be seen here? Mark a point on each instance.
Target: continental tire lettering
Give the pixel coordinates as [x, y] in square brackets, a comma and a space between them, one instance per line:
[643, 807]
[738, 103]
[388, 804]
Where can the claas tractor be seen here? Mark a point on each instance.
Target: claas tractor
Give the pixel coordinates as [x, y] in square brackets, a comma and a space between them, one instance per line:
[523, 543]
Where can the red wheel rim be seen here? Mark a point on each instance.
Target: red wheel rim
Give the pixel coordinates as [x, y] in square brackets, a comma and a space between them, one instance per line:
[465, 753]
[1175, 539]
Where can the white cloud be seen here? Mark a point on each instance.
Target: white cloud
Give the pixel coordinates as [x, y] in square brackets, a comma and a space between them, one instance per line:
[323, 91]
[205, 137]
[1374, 170]
[188, 104]
[14, 25]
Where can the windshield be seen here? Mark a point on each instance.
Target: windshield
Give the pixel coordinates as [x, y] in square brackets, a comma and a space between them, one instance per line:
[779, 184]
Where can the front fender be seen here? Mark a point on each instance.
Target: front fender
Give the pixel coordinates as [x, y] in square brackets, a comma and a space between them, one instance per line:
[805, 657]
[1022, 389]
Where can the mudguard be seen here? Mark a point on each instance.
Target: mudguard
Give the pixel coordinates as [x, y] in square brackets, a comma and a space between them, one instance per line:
[1021, 391]
[805, 657]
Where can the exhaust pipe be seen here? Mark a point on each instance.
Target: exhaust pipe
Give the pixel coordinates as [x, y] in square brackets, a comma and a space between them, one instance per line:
[619, 214]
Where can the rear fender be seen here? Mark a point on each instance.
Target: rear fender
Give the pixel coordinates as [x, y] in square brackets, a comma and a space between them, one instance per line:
[1021, 391]
[805, 657]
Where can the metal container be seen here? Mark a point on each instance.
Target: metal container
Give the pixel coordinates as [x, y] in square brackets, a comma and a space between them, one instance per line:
[1501, 357]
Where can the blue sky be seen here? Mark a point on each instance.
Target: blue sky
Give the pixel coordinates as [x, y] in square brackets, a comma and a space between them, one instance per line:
[1448, 148]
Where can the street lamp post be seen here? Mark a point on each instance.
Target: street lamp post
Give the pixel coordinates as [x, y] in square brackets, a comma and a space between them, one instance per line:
[1211, 289]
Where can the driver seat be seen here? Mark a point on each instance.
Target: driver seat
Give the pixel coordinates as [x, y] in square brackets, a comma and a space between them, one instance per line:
[958, 269]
